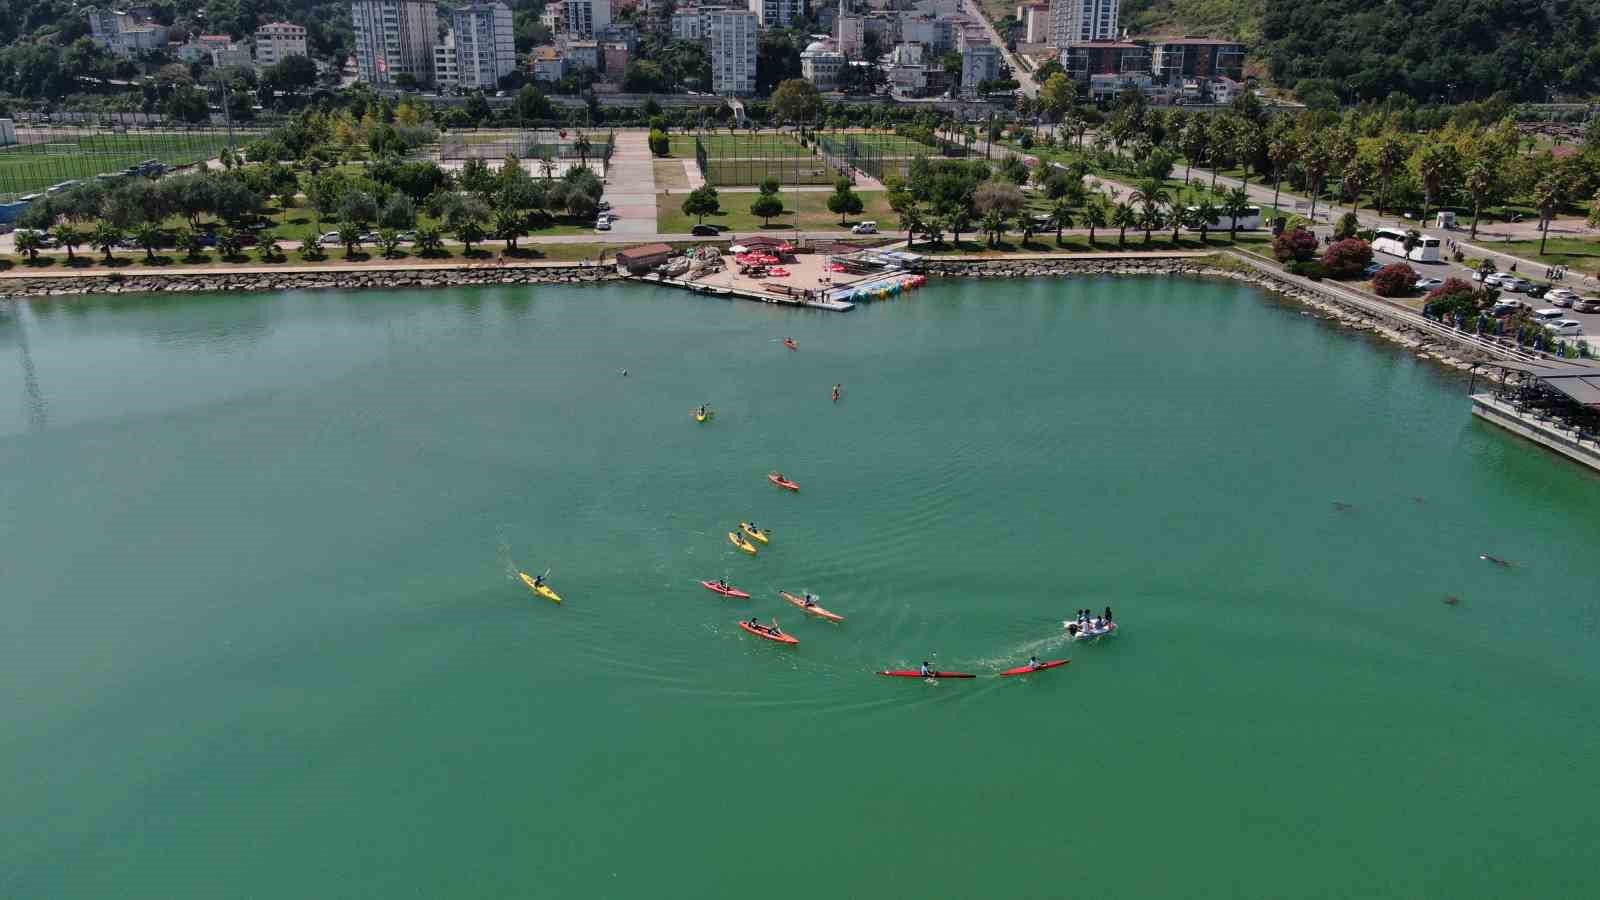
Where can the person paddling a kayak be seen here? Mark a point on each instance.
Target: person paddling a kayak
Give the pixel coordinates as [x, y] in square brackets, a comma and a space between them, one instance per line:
[1108, 615]
[836, 389]
[1033, 662]
[810, 600]
[926, 670]
[538, 581]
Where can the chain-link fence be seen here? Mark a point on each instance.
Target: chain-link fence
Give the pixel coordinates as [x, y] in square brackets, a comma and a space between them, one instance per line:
[749, 159]
[533, 144]
[878, 155]
[44, 156]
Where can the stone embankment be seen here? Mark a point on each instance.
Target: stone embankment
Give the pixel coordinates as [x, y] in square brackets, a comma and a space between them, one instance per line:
[1322, 303]
[302, 279]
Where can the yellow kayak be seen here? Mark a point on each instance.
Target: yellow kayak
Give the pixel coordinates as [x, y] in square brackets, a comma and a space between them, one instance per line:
[698, 417]
[741, 543]
[757, 533]
[542, 590]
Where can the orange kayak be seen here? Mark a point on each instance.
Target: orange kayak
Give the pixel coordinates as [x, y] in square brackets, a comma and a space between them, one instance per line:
[780, 637]
[782, 482]
[817, 611]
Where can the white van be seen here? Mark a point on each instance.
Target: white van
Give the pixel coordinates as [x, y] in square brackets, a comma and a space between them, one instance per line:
[868, 227]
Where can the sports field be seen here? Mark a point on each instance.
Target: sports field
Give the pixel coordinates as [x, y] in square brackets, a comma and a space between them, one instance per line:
[748, 159]
[52, 157]
[878, 154]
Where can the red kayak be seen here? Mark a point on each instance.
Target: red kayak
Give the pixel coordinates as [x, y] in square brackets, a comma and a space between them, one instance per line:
[1029, 670]
[780, 637]
[782, 482]
[729, 591]
[915, 673]
[790, 344]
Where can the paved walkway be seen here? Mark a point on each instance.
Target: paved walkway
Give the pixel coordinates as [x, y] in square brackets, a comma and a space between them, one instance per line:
[631, 189]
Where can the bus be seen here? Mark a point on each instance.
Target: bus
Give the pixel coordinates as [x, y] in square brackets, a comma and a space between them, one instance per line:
[1393, 242]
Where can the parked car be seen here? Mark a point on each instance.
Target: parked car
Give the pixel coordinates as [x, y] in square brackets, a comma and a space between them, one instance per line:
[704, 231]
[1560, 297]
[602, 225]
[1587, 304]
[603, 205]
[1515, 285]
[1428, 284]
[1490, 279]
[868, 227]
[330, 237]
[1372, 269]
[1506, 307]
[1565, 327]
[1548, 315]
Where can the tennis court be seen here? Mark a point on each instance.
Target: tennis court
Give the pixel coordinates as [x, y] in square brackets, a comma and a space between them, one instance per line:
[749, 159]
[50, 156]
[879, 155]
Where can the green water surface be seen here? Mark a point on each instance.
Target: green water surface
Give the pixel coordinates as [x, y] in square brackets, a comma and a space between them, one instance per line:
[261, 633]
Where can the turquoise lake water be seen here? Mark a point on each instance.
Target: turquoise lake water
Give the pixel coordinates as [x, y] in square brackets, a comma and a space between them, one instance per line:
[261, 633]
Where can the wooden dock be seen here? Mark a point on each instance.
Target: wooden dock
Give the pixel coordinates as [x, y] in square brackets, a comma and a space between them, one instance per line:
[773, 297]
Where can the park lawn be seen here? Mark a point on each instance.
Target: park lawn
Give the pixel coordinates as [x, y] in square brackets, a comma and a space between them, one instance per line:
[28, 168]
[759, 145]
[670, 174]
[1576, 253]
[1078, 242]
[813, 214]
[888, 143]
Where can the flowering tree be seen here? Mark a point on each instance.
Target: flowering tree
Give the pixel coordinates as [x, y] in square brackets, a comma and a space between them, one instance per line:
[1295, 245]
[1346, 258]
[1394, 280]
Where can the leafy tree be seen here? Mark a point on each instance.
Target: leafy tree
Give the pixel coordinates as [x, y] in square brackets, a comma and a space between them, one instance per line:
[1390, 155]
[469, 232]
[509, 225]
[188, 243]
[1346, 258]
[66, 236]
[429, 241]
[660, 143]
[994, 224]
[1394, 280]
[795, 101]
[311, 247]
[1057, 94]
[766, 206]
[644, 76]
[1002, 197]
[230, 242]
[844, 201]
[702, 202]
[1294, 245]
[1482, 179]
[769, 185]
[1437, 164]
[389, 243]
[358, 208]
[399, 213]
[1548, 195]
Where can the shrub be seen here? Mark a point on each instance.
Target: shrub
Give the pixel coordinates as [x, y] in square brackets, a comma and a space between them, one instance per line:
[660, 144]
[1457, 297]
[1346, 258]
[1394, 280]
[1312, 270]
[1348, 226]
[1296, 244]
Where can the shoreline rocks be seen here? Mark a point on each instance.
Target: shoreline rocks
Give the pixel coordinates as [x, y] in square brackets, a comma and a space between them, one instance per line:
[293, 280]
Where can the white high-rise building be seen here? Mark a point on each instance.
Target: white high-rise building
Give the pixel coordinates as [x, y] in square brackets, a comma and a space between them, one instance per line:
[1080, 21]
[277, 41]
[777, 13]
[584, 16]
[394, 38]
[732, 35]
[486, 50]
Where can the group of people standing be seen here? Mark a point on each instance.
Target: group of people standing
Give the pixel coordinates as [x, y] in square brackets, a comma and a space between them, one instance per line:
[1087, 621]
[1555, 273]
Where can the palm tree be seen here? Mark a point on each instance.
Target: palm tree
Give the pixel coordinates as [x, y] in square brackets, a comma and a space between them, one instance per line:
[1061, 217]
[1234, 205]
[1547, 197]
[66, 237]
[267, 245]
[230, 242]
[911, 220]
[311, 247]
[1391, 153]
[1124, 218]
[350, 237]
[1356, 172]
[389, 242]
[106, 237]
[1194, 141]
[1481, 179]
[31, 243]
[148, 236]
[1280, 153]
[1094, 216]
[428, 240]
[582, 147]
[1314, 162]
[1150, 196]
[547, 166]
[1205, 214]
[994, 223]
[187, 242]
[1436, 165]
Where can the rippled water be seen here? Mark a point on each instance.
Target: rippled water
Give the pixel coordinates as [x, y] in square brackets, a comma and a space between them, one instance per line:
[261, 632]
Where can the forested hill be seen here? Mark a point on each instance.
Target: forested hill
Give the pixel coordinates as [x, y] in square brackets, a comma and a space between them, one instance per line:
[1356, 50]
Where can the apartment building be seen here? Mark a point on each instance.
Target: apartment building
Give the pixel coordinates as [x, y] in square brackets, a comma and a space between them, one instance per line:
[125, 33]
[394, 38]
[777, 13]
[980, 62]
[1079, 21]
[549, 64]
[447, 64]
[486, 49]
[585, 16]
[732, 36]
[277, 41]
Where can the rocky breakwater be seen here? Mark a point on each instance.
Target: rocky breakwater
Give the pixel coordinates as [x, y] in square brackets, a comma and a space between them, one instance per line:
[291, 279]
[1395, 326]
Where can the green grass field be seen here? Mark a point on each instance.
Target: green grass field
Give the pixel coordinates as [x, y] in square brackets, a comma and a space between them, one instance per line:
[886, 144]
[29, 168]
[812, 214]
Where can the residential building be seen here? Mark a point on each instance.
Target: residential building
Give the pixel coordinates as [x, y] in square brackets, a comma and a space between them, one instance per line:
[486, 49]
[585, 16]
[1035, 19]
[777, 13]
[277, 41]
[554, 16]
[1224, 89]
[1083, 61]
[447, 64]
[394, 38]
[203, 47]
[688, 25]
[1197, 57]
[908, 73]
[820, 64]
[732, 36]
[549, 64]
[614, 59]
[625, 33]
[125, 33]
[1077, 21]
[231, 55]
[582, 55]
[980, 62]
[1104, 88]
